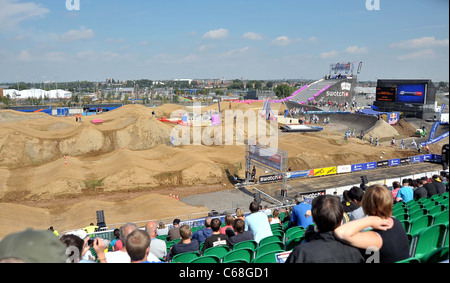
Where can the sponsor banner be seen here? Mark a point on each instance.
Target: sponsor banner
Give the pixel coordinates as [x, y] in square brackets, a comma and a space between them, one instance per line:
[270, 178]
[308, 197]
[383, 164]
[299, 174]
[427, 157]
[325, 171]
[359, 167]
[344, 169]
[416, 159]
[405, 161]
[371, 165]
[266, 156]
[394, 162]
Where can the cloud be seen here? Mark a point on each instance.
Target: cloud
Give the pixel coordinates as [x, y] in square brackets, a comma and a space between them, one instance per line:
[216, 34]
[235, 51]
[422, 54]
[325, 55]
[281, 41]
[252, 36]
[12, 13]
[423, 42]
[81, 34]
[313, 39]
[355, 49]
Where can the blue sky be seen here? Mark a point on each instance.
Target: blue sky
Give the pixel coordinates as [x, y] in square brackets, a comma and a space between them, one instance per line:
[254, 39]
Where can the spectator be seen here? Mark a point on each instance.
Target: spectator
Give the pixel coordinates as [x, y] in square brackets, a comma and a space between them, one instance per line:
[267, 210]
[275, 217]
[158, 247]
[216, 239]
[431, 189]
[76, 248]
[323, 247]
[162, 229]
[356, 194]
[301, 213]
[349, 205]
[116, 243]
[120, 256]
[257, 223]
[405, 193]
[138, 247]
[388, 236]
[174, 233]
[185, 245]
[203, 233]
[91, 228]
[420, 191]
[395, 187]
[54, 231]
[32, 246]
[438, 184]
[240, 214]
[229, 219]
[241, 234]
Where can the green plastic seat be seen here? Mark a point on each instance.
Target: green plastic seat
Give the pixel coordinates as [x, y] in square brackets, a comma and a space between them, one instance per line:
[206, 259]
[186, 257]
[242, 254]
[269, 247]
[219, 251]
[269, 239]
[435, 210]
[416, 214]
[293, 242]
[429, 240]
[267, 257]
[293, 230]
[251, 244]
[409, 260]
[420, 223]
[435, 256]
[406, 224]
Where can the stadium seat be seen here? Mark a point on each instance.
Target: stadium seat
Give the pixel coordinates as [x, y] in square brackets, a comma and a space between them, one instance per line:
[219, 251]
[267, 257]
[399, 210]
[441, 218]
[269, 247]
[269, 239]
[243, 254]
[435, 256]
[406, 224]
[409, 260]
[296, 235]
[428, 240]
[420, 223]
[436, 210]
[417, 214]
[275, 227]
[403, 216]
[186, 257]
[292, 243]
[251, 244]
[293, 230]
[206, 259]
[278, 233]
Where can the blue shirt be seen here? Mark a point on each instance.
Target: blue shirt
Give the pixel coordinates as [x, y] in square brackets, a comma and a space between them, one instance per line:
[298, 215]
[406, 194]
[259, 225]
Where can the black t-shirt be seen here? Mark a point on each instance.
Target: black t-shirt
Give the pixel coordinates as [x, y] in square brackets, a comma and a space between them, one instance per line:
[245, 236]
[431, 189]
[420, 192]
[216, 240]
[440, 187]
[395, 243]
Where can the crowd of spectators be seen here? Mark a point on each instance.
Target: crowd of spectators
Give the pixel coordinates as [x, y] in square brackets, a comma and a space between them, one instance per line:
[337, 230]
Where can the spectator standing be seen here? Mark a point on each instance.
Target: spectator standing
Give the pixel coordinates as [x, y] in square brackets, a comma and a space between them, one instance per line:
[431, 189]
[185, 245]
[405, 193]
[323, 247]
[174, 233]
[257, 223]
[438, 184]
[216, 239]
[158, 247]
[388, 237]
[301, 213]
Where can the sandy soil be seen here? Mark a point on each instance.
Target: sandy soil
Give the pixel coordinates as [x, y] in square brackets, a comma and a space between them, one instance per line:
[55, 171]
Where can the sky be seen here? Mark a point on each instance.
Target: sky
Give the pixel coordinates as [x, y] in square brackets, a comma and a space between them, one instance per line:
[58, 41]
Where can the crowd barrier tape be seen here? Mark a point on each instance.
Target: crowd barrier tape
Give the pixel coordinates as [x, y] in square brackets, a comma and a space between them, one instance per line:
[342, 169]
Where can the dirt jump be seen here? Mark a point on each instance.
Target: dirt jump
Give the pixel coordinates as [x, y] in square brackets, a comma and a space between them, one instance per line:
[57, 172]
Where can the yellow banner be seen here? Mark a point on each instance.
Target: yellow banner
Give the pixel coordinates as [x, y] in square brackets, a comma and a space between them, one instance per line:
[325, 171]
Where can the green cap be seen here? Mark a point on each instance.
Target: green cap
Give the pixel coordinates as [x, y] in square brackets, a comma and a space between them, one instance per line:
[33, 246]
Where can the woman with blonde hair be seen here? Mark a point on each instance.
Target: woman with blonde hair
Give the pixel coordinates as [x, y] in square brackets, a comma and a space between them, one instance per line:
[387, 238]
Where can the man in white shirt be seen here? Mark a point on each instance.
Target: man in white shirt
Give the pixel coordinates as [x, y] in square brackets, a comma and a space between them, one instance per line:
[122, 255]
[257, 222]
[158, 247]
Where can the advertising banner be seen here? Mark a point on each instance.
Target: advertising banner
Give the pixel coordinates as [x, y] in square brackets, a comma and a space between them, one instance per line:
[359, 167]
[371, 165]
[394, 162]
[344, 169]
[270, 178]
[325, 171]
[299, 174]
[416, 159]
[405, 161]
[383, 164]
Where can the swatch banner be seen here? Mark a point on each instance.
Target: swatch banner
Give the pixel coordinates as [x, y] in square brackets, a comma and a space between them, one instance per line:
[383, 163]
[270, 178]
[325, 171]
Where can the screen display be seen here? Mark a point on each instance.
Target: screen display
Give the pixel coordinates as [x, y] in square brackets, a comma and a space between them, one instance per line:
[386, 94]
[411, 93]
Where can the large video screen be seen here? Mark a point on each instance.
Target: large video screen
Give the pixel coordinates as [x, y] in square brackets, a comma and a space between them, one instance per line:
[386, 94]
[411, 93]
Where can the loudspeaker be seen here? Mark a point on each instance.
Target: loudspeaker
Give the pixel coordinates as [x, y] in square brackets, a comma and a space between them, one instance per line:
[101, 219]
[257, 197]
[364, 179]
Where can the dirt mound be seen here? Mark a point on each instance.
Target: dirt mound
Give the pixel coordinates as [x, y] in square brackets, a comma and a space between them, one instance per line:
[405, 129]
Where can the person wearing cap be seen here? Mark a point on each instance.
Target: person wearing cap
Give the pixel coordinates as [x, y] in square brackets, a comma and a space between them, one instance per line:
[174, 233]
[438, 184]
[32, 246]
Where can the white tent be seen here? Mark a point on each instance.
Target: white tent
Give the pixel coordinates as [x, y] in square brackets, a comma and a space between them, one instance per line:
[36, 93]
